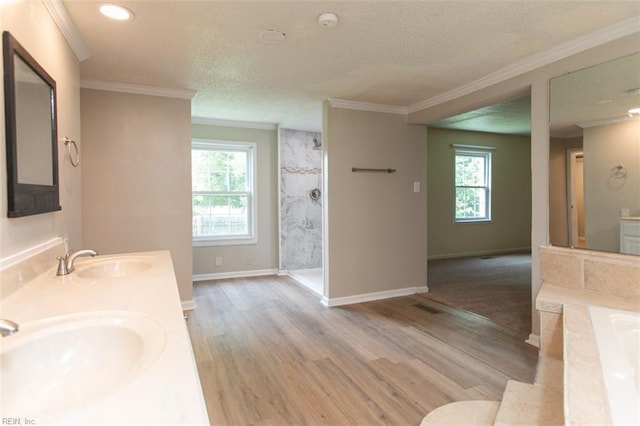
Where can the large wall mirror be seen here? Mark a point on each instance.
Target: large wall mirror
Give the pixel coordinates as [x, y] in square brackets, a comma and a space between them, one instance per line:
[594, 170]
[31, 133]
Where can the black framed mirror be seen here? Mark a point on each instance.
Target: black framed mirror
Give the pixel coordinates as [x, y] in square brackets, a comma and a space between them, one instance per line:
[31, 133]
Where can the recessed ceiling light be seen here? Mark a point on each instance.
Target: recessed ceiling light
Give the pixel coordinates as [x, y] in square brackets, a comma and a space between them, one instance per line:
[119, 13]
[271, 37]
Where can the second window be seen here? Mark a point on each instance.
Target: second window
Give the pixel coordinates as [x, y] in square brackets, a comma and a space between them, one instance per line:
[223, 197]
[472, 185]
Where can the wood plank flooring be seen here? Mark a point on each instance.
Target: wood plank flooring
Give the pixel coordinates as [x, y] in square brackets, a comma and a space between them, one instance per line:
[269, 353]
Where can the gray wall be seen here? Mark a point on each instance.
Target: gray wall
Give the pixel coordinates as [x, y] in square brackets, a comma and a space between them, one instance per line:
[136, 179]
[376, 223]
[510, 226]
[606, 147]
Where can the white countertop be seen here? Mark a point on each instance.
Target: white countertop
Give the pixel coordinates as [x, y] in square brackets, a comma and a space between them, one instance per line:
[169, 390]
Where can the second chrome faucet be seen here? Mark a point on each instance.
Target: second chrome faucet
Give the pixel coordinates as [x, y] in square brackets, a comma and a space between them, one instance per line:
[8, 327]
[65, 263]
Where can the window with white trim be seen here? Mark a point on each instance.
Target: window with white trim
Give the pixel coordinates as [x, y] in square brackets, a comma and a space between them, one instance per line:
[472, 184]
[223, 192]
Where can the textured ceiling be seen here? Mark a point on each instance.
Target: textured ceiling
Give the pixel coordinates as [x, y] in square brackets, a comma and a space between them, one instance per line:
[595, 95]
[510, 117]
[388, 52]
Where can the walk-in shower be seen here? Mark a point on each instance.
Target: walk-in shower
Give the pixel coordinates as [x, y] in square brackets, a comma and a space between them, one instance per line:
[301, 207]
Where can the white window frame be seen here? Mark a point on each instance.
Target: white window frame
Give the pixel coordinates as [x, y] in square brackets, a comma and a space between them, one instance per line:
[475, 151]
[252, 200]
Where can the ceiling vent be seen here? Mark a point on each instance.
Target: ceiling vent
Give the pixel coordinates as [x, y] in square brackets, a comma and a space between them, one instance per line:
[271, 37]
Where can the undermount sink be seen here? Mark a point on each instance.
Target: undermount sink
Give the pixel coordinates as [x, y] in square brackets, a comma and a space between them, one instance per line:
[74, 360]
[113, 267]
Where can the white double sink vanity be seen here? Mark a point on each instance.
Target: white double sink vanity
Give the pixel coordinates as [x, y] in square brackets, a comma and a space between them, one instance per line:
[106, 344]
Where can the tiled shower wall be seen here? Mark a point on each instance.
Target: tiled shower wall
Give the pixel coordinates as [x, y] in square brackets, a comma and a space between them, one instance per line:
[300, 216]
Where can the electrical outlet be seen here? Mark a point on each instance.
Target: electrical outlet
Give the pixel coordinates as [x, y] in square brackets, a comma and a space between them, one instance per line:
[219, 261]
[249, 260]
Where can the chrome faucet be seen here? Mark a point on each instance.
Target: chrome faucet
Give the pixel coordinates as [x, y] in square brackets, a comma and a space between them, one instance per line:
[65, 263]
[8, 327]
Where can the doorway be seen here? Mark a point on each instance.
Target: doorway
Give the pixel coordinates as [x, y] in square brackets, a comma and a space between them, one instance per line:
[575, 197]
[496, 250]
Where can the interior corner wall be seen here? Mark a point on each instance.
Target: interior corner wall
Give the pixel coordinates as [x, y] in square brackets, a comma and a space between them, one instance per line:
[30, 24]
[136, 193]
[510, 226]
[606, 147]
[250, 257]
[376, 223]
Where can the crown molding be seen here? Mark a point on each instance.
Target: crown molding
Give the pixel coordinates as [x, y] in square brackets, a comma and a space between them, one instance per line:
[575, 46]
[139, 89]
[61, 17]
[613, 120]
[366, 106]
[233, 123]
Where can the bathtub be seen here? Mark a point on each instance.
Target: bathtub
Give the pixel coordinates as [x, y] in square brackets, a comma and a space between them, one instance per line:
[618, 339]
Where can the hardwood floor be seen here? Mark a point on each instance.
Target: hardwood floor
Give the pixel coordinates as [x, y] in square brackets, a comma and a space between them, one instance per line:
[269, 353]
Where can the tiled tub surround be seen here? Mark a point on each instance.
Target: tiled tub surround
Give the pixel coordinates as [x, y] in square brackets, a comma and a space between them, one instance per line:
[573, 280]
[168, 391]
[300, 216]
[608, 273]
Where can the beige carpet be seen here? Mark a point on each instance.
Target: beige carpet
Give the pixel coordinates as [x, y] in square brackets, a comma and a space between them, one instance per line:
[496, 287]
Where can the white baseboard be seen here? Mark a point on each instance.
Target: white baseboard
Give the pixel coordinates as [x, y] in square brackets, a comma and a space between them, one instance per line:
[479, 253]
[234, 274]
[422, 289]
[188, 305]
[368, 297]
[533, 340]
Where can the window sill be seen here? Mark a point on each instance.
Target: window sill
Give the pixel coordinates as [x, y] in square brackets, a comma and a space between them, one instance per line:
[463, 221]
[225, 242]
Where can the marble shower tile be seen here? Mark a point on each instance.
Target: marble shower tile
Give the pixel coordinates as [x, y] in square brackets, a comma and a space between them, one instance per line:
[301, 217]
[298, 184]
